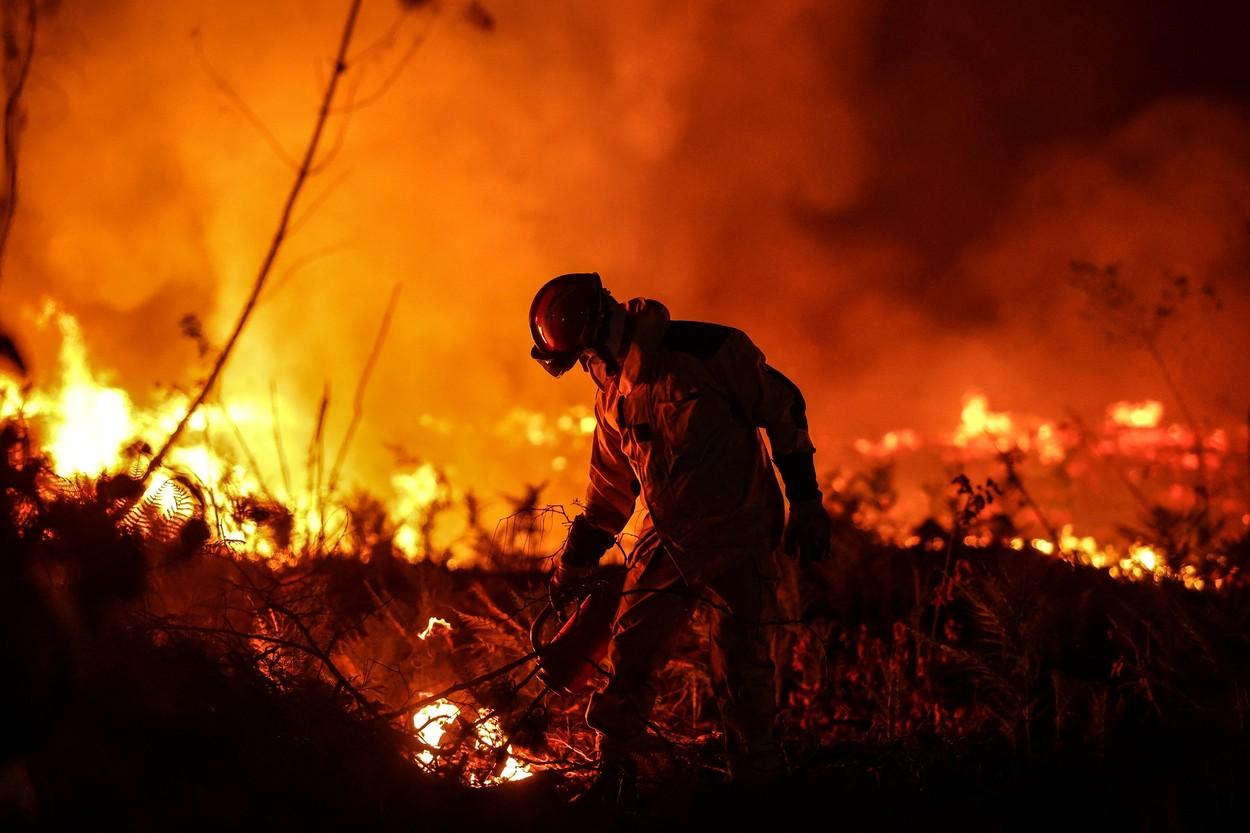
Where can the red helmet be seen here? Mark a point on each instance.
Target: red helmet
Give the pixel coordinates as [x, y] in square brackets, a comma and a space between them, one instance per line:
[566, 317]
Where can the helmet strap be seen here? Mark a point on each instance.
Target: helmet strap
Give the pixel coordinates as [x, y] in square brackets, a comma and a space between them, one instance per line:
[612, 340]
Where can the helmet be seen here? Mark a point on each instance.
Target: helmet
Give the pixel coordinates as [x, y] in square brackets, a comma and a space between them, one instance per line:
[566, 317]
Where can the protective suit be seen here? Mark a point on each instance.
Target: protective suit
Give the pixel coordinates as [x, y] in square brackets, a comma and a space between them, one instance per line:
[678, 427]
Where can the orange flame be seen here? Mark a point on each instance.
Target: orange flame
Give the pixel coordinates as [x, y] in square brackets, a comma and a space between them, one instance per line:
[1145, 414]
[431, 723]
[977, 421]
[430, 626]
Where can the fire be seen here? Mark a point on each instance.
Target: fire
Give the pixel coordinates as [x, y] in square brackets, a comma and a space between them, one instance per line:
[1138, 563]
[1050, 446]
[430, 626]
[981, 432]
[89, 420]
[91, 427]
[432, 722]
[891, 443]
[414, 493]
[1146, 414]
[540, 429]
[977, 422]
[1134, 442]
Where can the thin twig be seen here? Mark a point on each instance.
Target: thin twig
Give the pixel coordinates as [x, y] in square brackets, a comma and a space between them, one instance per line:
[296, 266]
[385, 608]
[247, 452]
[12, 128]
[478, 680]
[315, 465]
[311, 648]
[1129, 485]
[1014, 479]
[358, 401]
[316, 202]
[417, 42]
[316, 650]
[225, 88]
[277, 438]
[1199, 445]
[340, 67]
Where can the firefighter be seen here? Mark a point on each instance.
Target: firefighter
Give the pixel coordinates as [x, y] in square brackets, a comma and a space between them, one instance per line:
[678, 412]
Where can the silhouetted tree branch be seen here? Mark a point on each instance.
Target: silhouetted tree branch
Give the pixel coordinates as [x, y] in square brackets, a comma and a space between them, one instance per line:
[19, 51]
[301, 177]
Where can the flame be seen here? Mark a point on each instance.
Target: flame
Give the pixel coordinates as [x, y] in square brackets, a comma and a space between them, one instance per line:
[90, 428]
[1134, 438]
[981, 432]
[1139, 562]
[430, 626]
[414, 493]
[1050, 446]
[89, 420]
[541, 429]
[891, 442]
[1146, 414]
[431, 723]
[977, 421]
[88, 424]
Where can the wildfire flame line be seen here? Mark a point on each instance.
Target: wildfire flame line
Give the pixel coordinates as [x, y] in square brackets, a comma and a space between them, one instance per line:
[90, 427]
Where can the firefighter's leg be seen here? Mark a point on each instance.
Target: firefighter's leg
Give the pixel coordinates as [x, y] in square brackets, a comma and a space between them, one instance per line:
[742, 670]
[654, 604]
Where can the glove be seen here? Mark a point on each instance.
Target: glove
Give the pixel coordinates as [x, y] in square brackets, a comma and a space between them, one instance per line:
[578, 562]
[568, 581]
[809, 531]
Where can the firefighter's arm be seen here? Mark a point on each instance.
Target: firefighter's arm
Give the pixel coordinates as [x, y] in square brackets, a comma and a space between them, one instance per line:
[609, 504]
[609, 498]
[772, 402]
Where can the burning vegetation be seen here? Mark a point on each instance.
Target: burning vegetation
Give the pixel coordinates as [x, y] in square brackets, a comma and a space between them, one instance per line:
[984, 630]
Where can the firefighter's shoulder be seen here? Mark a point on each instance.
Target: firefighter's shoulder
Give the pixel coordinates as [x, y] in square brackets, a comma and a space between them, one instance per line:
[697, 338]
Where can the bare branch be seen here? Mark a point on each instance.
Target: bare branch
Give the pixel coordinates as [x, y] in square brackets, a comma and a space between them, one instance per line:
[13, 119]
[226, 89]
[340, 67]
[358, 402]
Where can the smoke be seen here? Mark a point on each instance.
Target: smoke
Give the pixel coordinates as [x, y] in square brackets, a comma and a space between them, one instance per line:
[887, 197]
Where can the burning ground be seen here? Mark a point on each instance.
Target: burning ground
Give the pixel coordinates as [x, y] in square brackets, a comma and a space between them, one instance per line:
[1003, 254]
